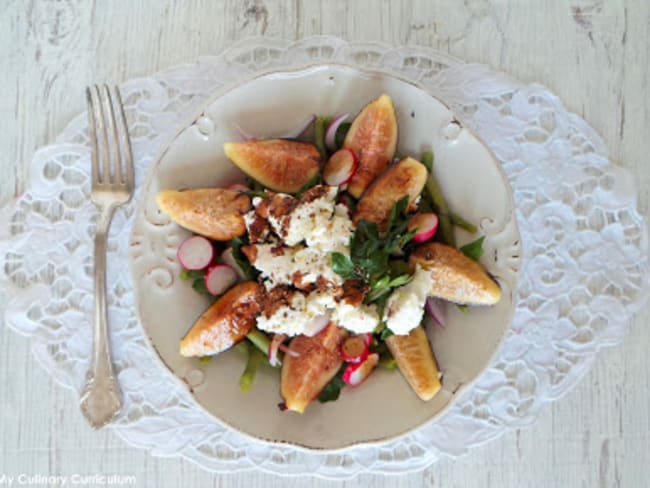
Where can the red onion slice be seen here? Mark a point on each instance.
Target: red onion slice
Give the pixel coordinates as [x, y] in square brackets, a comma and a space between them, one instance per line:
[286, 350]
[330, 133]
[435, 308]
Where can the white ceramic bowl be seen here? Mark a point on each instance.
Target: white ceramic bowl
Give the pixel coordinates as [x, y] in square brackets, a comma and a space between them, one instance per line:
[270, 105]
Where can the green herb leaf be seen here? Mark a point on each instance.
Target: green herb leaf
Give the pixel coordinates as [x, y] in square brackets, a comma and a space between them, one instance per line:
[198, 285]
[463, 308]
[341, 132]
[343, 266]
[332, 389]
[474, 250]
[241, 259]
[385, 334]
[205, 359]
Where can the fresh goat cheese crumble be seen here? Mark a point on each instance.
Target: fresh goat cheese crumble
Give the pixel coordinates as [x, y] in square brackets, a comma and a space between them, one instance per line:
[308, 234]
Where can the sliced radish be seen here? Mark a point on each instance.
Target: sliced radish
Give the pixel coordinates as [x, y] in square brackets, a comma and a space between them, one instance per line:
[195, 252]
[220, 278]
[317, 324]
[274, 345]
[227, 258]
[355, 374]
[285, 349]
[330, 133]
[426, 225]
[238, 187]
[435, 308]
[354, 349]
[340, 167]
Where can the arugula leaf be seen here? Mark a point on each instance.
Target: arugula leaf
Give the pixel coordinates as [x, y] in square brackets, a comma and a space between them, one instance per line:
[370, 255]
[332, 389]
[199, 286]
[343, 266]
[385, 334]
[341, 132]
[474, 250]
[241, 259]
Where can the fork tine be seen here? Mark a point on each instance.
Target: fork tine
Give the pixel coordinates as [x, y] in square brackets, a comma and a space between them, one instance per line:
[100, 125]
[127, 156]
[92, 132]
[111, 130]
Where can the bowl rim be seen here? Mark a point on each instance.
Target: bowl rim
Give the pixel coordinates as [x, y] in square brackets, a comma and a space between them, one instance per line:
[151, 171]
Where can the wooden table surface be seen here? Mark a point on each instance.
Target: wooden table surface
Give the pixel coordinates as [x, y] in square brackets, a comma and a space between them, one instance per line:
[593, 53]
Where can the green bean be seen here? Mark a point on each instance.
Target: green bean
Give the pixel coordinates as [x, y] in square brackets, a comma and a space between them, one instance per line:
[248, 376]
[459, 221]
[259, 340]
[427, 160]
[446, 229]
[319, 135]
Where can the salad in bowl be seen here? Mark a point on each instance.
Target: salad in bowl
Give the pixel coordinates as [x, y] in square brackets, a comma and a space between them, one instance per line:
[325, 262]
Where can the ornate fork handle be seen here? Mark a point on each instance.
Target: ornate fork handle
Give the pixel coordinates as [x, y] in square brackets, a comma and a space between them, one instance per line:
[100, 400]
[112, 186]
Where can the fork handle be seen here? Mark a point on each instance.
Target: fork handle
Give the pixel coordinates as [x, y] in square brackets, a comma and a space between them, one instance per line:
[101, 354]
[101, 400]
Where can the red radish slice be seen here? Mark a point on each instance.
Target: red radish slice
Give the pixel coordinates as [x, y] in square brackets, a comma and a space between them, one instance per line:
[227, 258]
[426, 225]
[367, 337]
[286, 350]
[220, 278]
[274, 345]
[435, 308]
[238, 187]
[354, 349]
[195, 253]
[316, 325]
[340, 167]
[330, 133]
[355, 374]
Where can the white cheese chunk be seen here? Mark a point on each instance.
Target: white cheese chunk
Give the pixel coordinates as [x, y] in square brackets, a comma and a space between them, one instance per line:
[405, 306]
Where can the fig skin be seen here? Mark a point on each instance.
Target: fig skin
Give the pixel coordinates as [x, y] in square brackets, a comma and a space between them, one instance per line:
[225, 322]
[454, 276]
[372, 137]
[217, 213]
[416, 362]
[279, 164]
[305, 376]
[406, 177]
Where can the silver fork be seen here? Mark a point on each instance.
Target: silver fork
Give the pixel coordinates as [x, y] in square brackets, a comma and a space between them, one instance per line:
[112, 186]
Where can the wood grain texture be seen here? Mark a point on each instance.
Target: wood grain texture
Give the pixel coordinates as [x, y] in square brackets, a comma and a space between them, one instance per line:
[593, 53]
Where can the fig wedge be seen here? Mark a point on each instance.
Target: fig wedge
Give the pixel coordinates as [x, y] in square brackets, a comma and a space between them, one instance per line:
[373, 138]
[304, 377]
[454, 276]
[278, 164]
[225, 322]
[407, 177]
[216, 213]
[416, 362]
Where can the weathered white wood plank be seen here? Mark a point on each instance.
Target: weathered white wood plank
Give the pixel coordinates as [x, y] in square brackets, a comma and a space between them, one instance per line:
[593, 53]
